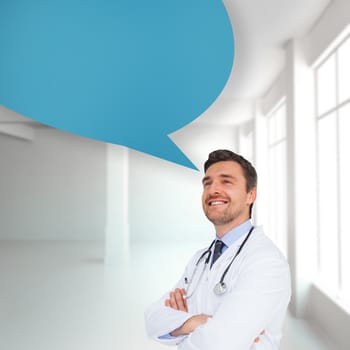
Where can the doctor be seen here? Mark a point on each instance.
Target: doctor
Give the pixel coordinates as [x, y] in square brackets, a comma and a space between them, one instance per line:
[234, 294]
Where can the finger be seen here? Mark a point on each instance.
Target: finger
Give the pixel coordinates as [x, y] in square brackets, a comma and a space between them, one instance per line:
[173, 301]
[180, 300]
[176, 300]
[183, 291]
[167, 302]
[257, 339]
[206, 317]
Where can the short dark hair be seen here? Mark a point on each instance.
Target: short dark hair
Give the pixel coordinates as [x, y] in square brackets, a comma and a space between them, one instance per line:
[224, 155]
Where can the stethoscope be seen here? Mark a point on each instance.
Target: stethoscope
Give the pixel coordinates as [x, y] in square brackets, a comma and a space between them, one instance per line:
[221, 287]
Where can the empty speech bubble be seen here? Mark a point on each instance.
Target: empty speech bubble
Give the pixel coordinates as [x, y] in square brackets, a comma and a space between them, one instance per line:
[119, 71]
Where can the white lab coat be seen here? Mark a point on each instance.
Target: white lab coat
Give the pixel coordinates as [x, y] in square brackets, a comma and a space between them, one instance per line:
[256, 299]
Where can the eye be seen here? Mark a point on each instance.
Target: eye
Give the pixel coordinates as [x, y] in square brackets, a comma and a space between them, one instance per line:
[206, 183]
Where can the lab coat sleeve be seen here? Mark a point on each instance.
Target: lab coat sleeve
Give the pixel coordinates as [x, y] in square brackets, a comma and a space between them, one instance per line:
[261, 293]
[161, 320]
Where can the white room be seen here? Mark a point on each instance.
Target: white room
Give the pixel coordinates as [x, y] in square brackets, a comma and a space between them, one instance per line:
[92, 233]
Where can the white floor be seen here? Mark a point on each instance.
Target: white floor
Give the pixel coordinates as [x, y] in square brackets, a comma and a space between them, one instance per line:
[61, 296]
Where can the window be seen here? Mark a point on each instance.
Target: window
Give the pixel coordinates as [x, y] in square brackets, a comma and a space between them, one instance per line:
[277, 176]
[332, 77]
[246, 141]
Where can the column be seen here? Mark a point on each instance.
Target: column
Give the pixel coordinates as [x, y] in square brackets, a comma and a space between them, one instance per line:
[117, 221]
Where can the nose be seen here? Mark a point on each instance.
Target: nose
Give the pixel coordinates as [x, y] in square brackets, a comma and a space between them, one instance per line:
[214, 188]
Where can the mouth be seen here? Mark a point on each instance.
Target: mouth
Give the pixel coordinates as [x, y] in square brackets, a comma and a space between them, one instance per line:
[216, 202]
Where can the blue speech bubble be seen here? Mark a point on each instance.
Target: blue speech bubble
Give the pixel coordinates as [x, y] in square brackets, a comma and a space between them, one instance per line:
[119, 71]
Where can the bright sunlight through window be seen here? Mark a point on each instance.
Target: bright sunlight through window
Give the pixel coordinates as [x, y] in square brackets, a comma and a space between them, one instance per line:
[333, 169]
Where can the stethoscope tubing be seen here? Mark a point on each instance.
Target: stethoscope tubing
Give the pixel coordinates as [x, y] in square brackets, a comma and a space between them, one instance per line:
[237, 253]
[220, 287]
[206, 262]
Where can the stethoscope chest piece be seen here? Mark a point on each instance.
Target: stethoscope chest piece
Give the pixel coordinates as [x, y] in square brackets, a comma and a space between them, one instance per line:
[220, 288]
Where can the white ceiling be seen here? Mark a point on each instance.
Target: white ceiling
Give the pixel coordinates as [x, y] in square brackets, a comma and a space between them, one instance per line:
[261, 30]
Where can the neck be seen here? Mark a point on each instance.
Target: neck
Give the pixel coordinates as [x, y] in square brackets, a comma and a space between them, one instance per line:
[221, 230]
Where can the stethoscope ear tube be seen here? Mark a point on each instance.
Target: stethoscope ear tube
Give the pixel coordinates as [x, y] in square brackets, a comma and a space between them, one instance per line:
[207, 252]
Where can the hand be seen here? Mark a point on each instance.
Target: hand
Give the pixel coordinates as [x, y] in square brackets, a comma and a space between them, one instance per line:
[190, 325]
[177, 300]
[257, 339]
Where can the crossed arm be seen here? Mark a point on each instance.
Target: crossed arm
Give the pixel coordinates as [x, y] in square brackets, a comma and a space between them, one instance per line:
[177, 301]
[259, 300]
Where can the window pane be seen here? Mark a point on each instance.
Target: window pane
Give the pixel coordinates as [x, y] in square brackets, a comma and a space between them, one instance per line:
[272, 231]
[277, 125]
[281, 122]
[328, 235]
[277, 229]
[344, 143]
[326, 92]
[271, 129]
[344, 71]
[277, 173]
[281, 195]
[246, 145]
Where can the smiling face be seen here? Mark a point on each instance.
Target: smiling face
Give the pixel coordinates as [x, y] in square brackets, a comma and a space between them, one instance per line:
[225, 198]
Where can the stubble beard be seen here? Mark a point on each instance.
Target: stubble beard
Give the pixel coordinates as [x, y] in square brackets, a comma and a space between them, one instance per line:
[228, 216]
[222, 219]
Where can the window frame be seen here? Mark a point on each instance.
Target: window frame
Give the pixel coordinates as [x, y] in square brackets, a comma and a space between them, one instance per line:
[272, 147]
[333, 112]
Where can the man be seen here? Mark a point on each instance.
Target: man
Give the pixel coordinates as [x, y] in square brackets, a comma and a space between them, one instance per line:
[233, 296]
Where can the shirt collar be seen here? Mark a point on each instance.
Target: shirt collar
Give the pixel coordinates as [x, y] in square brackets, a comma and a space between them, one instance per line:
[232, 236]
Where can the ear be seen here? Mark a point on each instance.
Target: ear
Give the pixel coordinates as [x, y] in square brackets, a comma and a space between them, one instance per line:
[251, 196]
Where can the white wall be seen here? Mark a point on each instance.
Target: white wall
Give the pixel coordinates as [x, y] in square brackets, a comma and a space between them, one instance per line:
[198, 139]
[334, 20]
[53, 187]
[165, 202]
[319, 308]
[297, 84]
